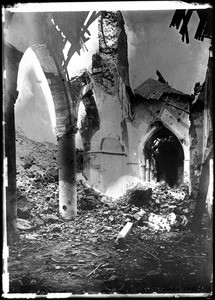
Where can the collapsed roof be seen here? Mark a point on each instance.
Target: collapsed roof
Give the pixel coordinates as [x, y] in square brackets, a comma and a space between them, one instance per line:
[153, 89]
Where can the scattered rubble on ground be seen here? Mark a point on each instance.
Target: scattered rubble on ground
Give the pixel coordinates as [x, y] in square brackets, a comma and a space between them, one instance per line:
[164, 208]
[158, 209]
[156, 241]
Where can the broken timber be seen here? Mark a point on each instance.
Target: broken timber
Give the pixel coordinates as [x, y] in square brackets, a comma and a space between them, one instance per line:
[123, 234]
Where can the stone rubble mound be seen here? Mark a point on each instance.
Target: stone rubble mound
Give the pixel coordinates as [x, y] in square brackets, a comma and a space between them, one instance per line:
[139, 195]
[164, 208]
[87, 197]
[158, 206]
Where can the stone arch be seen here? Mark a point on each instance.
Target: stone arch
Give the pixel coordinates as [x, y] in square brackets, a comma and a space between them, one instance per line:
[154, 127]
[35, 109]
[60, 91]
[109, 144]
[163, 157]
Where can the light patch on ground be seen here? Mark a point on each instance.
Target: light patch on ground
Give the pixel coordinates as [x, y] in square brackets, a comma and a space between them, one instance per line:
[118, 188]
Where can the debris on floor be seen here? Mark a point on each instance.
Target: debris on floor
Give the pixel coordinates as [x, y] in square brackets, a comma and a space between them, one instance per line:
[159, 252]
[123, 234]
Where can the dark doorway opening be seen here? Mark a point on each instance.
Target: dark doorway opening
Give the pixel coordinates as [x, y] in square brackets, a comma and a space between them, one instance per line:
[164, 158]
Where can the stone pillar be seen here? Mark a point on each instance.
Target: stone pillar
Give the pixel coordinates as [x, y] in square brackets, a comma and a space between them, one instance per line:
[65, 129]
[152, 169]
[10, 154]
[144, 170]
[12, 58]
[67, 175]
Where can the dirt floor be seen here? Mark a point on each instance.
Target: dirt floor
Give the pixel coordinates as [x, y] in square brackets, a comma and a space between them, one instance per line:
[81, 256]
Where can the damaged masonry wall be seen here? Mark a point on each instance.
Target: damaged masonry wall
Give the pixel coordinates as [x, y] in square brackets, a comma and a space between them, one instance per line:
[159, 134]
[115, 148]
[115, 136]
[201, 135]
[105, 161]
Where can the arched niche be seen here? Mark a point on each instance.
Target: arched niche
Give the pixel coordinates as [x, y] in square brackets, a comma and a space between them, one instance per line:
[111, 145]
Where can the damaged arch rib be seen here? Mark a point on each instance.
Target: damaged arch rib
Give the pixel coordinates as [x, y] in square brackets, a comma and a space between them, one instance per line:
[65, 129]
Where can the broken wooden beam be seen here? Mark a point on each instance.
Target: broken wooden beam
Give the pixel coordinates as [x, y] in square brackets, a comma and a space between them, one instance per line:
[123, 234]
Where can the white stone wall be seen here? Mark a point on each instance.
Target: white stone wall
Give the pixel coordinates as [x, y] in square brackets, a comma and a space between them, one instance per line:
[108, 157]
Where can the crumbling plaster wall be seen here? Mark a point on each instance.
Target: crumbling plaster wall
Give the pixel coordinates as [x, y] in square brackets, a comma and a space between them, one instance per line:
[106, 160]
[104, 165]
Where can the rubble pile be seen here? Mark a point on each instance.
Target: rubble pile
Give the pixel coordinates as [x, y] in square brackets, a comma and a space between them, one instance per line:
[166, 200]
[111, 240]
[87, 197]
[149, 205]
[139, 195]
[158, 207]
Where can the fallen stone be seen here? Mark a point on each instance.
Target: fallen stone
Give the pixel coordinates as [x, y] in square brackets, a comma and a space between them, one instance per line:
[139, 214]
[88, 203]
[158, 222]
[123, 234]
[23, 224]
[111, 218]
[51, 175]
[134, 209]
[171, 218]
[153, 273]
[107, 228]
[112, 278]
[90, 197]
[33, 236]
[56, 228]
[127, 220]
[139, 196]
[51, 218]
[39, 221]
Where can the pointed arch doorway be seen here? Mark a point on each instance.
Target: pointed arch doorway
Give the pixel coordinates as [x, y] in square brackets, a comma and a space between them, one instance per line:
[163, 158]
